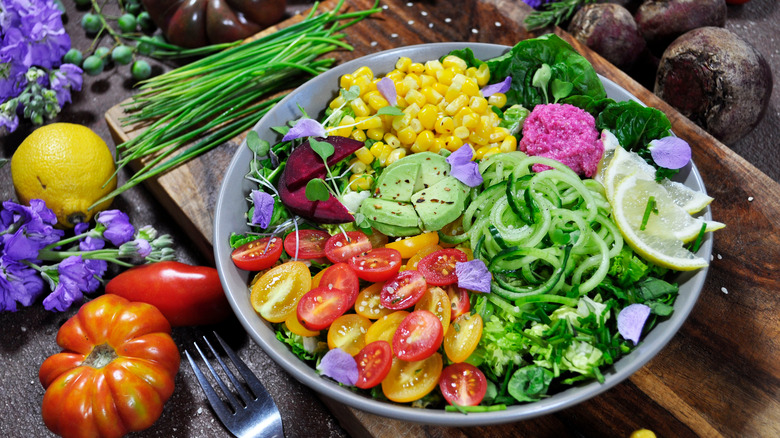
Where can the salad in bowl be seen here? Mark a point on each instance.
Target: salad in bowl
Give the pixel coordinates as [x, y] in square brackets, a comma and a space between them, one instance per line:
[456, 228]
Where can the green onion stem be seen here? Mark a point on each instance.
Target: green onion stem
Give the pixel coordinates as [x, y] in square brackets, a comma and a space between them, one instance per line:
[218, 97]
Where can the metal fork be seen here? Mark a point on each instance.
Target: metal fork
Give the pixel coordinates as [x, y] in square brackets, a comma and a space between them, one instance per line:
[253, 414]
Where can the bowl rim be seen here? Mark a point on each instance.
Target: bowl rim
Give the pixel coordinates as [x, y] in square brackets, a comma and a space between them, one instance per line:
[261, 332]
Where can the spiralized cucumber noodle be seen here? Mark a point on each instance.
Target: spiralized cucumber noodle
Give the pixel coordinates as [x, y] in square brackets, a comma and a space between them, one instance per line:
[543, 233]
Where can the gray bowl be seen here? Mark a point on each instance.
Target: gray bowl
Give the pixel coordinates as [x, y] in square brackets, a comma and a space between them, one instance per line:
[232, 205]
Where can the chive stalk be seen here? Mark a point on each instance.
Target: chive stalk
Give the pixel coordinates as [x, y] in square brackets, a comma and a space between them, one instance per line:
[208, 102]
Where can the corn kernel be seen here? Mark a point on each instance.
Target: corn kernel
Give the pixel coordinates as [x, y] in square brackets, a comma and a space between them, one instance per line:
[431, 67]
[454, 62]
[369, 122]
[484, 129]
[358, 182]
[412, 82]
[379, 148]
[441, 87]
[392, 141]
[445, 76]
[476, 139]
[414, 96]
[396, 75]
[376, 101]
[395, 155]
[407, 135]
[337, 102]
[364, 83]
[498, 134]
[497, 99]
[471, 72]
[416, 125]
[428, 115]
[359, 107]
[416, 68]
[456, 105]
[469, 120]
[364, 155]
[509, 144]
[344, 127]
[403, 64]
[478, 104]
[470, 87]
[401, 87]
[431, 95]
[491, 151]
[458, 117]
[356, 166]
[423, 142]
[461, 132]
[382, 158]
[358, 134]
[363, 71]
[401, 122]
[438, 144]
[426, 80]
[444, 125]
[480, 152]
[346, 81]
[483, 75]
[376, 133]
[452, 143]
[412, 110]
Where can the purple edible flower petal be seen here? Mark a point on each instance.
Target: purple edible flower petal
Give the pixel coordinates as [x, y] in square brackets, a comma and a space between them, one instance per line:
[18, 283]
[473, 275]
[631, 321]
[386, 86]
[74, 279]
[670, 152]
[118, 227]
[305, 127]
[463, 169]
[339, 366]
[264, 208]
[500, 87]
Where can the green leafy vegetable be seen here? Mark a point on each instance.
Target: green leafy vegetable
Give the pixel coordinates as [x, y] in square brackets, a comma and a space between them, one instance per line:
[317, 190]
[530, 383]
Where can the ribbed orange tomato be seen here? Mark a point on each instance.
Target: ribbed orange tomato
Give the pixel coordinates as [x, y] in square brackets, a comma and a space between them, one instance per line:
[115, 372]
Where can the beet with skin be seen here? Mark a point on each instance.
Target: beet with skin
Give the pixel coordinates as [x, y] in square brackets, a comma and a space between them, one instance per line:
[610, 30]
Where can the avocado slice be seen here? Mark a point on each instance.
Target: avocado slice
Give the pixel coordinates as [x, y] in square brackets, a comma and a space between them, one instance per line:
[393, 218]
[397, 183]
[433, 168]
[439, 204]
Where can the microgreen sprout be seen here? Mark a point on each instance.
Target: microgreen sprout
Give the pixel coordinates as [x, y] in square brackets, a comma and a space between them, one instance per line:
[649, 208]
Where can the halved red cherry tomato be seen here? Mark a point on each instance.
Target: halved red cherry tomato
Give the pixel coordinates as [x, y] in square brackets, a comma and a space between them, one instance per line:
[463, 384]
[341, 276]
[257, 254]
[319, 307]
[373, 363]
[310, 243]
[375, 265]
[459, 301]
[438, 267]
[402, 291]
[342, 246]
[418, 337]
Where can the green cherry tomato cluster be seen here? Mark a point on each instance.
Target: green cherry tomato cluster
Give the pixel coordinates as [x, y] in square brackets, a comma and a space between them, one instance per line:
[132, 19]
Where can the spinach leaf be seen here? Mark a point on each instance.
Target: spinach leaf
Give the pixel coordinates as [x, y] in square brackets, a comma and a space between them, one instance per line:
[530, 383]
[634, 125]
[566, 65]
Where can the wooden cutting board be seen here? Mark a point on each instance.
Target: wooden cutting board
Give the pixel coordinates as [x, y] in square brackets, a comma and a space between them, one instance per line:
[718, 377]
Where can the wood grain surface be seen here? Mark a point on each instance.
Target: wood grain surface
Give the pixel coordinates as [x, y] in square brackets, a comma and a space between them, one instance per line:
[718, 377]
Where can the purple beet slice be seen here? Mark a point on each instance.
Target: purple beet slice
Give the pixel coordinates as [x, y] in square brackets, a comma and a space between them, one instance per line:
[304, 164]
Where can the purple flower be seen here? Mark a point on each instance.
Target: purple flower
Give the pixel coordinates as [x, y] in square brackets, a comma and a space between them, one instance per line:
[8, 120]
[35, 228]
[473, 275]
[118, 227]
[264, 208]
[501, 87]
[74, 279]
[19, 247]
[19, 283]
[305, 128]
[386, 87]
[670, 152]
[631, 320]
[90, 243]
[463, 169]
[339, 366]
[536, 3]
[66, 78]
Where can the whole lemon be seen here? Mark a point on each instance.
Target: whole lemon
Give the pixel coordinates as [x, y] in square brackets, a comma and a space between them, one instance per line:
[66, 165]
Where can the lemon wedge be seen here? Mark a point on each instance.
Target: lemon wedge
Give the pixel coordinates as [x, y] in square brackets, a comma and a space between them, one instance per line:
[661, 239]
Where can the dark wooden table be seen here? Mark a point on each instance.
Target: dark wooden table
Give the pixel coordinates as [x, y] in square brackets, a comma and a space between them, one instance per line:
[718, 377]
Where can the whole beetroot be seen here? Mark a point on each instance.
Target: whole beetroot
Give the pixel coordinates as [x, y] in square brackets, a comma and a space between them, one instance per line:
[661, 21]
[716, 79]
[610, 30]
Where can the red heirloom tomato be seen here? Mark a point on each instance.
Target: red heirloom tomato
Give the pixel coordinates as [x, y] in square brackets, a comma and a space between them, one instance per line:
[116, 370]
[196, 23]
[463, 384]
[185, 294]
[438, 267]
[257, 254]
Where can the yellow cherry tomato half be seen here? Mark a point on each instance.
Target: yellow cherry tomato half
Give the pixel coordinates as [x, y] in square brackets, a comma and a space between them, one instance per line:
[369, 304]
[463, 337]
[296, 327]
[415, 259]
[436, 301]
[383, 329]
[348, 332]
[410, 381]
[412, 245]
[276, 293]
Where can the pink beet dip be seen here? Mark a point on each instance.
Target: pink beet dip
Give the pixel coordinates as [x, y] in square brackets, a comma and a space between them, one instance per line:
[563, 133]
